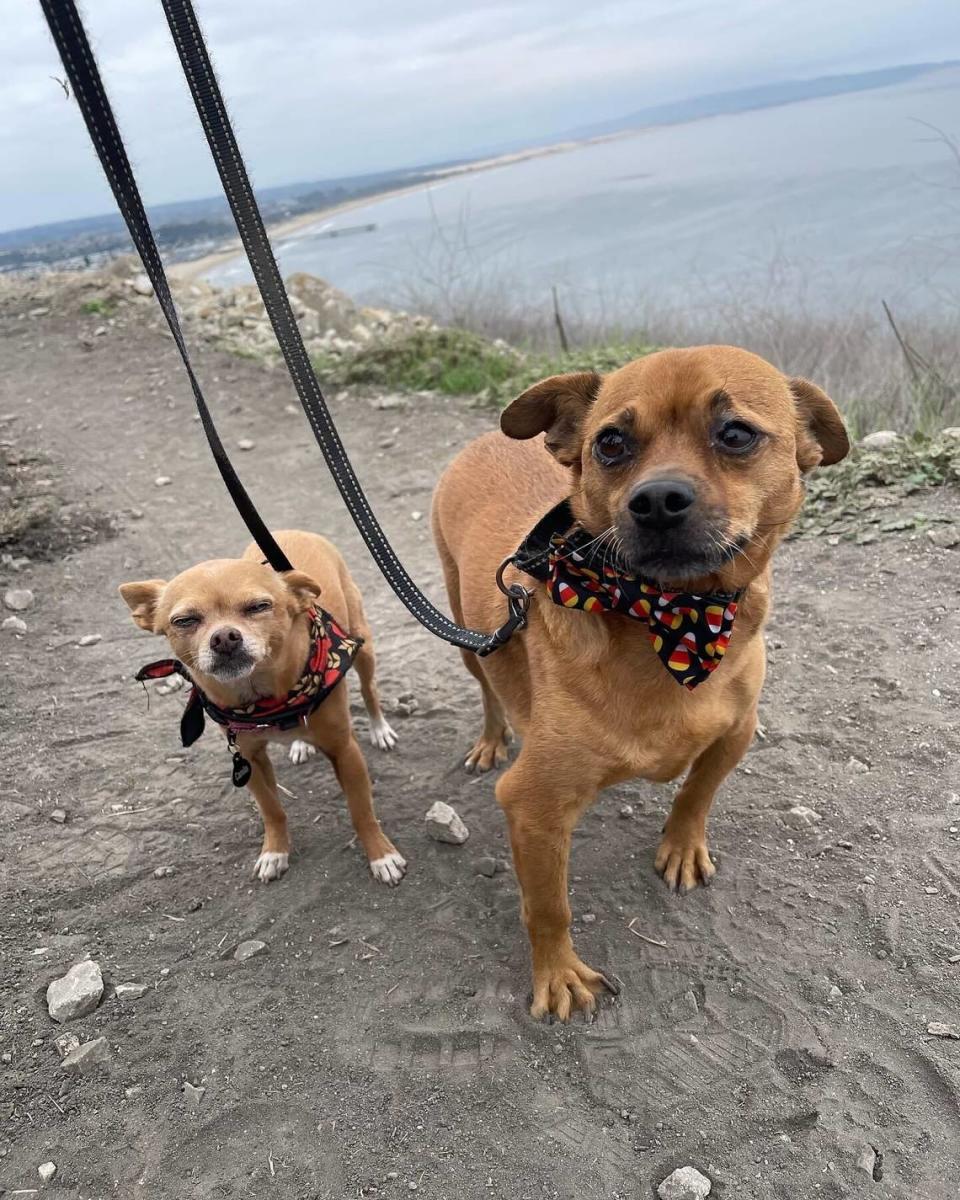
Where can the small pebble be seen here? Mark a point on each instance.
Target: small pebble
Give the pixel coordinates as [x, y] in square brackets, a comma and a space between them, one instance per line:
[193, 1095]
[59, 816]
[131, 991]
[46, 1171]
[163, 481]
[444, 825]
[163, 872]
[626, 811]
[246, 444]
[249, 949]
[686, 1183]
[18, 599]
[90, 639]
[14, 625]
[588, 918]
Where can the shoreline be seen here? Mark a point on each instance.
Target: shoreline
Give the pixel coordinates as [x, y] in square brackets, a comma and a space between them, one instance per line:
[191, 269]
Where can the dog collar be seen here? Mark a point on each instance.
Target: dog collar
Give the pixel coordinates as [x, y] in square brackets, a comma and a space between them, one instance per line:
[331, 655]
[690, 633]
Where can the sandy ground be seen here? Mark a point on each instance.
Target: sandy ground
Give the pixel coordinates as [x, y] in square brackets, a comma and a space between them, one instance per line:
[382, 1044]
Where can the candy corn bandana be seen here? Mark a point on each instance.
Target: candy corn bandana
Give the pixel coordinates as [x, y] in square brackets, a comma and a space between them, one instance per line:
[690, 634]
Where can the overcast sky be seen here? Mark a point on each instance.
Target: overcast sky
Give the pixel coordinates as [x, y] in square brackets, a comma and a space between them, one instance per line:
[320, 89]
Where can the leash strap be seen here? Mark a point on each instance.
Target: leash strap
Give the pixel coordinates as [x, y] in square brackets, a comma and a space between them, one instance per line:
[71, 41]
[78, 60]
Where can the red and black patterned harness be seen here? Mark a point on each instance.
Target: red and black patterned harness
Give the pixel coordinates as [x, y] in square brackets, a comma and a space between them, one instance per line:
[331, 655]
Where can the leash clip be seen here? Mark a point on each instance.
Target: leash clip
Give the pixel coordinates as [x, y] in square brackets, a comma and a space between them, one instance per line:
[518, 605]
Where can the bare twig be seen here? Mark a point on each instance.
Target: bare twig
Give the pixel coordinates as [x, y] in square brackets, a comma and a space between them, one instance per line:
[643, 937]
[558, 319]
[907, 353]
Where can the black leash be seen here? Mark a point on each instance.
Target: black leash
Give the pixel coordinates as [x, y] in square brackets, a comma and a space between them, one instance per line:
[80, 65]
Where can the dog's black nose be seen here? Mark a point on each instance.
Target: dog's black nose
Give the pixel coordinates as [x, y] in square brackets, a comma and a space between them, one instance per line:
[226, 640]
[661, 503]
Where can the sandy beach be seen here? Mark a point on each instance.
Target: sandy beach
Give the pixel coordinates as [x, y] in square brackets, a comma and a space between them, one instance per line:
[197, 268]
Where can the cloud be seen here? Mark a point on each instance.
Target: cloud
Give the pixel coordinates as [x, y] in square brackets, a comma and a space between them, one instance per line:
[321, 91]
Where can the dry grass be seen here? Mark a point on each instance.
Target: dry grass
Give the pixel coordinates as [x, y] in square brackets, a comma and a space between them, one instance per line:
[854, 355]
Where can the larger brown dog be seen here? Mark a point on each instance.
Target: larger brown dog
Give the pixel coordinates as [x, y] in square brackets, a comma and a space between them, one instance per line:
[690, 463]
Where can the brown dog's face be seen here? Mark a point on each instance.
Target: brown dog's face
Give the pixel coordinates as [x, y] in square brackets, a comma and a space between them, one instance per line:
[690, 461]
[222, 618]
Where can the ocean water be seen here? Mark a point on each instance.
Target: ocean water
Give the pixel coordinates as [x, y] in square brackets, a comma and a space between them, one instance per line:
[830, 203]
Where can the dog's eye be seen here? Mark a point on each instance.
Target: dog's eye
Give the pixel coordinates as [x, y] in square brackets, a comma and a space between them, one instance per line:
[185, 622]
[258, 606]
[610, 447]
[736, 437]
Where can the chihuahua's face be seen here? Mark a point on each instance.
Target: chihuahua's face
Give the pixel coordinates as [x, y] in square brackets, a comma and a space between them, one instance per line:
[223, 618]
[689, 461]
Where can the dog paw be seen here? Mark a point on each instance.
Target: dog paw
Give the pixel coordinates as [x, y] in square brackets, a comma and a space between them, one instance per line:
[270, 865]
[683, 861]
[300, 751]
[382, 735]
[390, 869]
[487, 754]
[566, 985]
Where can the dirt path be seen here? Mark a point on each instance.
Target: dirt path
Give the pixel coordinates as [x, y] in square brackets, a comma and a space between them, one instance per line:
[382, 1042]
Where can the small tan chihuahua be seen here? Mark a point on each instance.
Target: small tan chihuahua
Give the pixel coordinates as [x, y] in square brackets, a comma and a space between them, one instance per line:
[265, 662]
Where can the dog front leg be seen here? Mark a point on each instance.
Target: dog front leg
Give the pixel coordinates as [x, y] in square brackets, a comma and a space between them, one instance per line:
[683, 858]
[541, 824]
[275, 854]
[387, 865]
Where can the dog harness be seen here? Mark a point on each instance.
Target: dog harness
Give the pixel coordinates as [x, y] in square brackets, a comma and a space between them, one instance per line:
[331, 655]
[690, 633]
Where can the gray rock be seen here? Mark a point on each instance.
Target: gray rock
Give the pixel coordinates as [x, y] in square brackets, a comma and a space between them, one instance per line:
[867, 1160]
[944, 536]
[14, 625]
[626, 811]
[90, 639]
[942, 1030]
[66, 1043]
[163, 481]
[87, 1057]
[490, 866]
[246, 444]
[193, 1095]
[881, 439]
[76, 993]
[856, 766]
[249, 949]
[18, 599]
[952, 431]
[46, 1171]
[59, 816]
[163, 872]
[801, 817]
[131, 991]
[443, 825]
[686, 1183]
[589, 918]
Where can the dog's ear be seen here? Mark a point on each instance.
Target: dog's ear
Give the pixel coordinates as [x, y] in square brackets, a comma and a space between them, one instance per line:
[557, 407]
[302, 588]
[821, 435]
[141, 598]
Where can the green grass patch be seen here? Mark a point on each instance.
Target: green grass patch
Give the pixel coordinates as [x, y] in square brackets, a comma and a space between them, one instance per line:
[98, 307]
[459, 363]
[851, 496]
